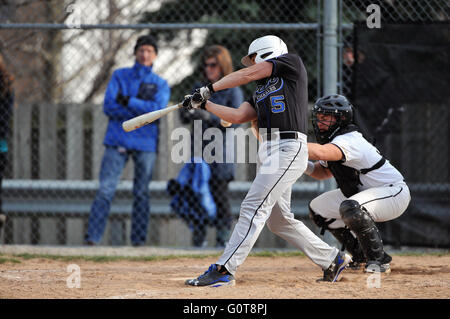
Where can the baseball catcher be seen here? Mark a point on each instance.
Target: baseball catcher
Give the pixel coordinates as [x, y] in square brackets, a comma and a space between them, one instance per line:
[370, 189]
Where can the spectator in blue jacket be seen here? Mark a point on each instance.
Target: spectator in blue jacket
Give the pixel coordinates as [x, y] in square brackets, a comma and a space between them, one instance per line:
[130, 92]
[217, 63]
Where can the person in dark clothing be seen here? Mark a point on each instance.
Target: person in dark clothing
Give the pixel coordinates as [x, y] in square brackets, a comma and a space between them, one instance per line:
[217, 63]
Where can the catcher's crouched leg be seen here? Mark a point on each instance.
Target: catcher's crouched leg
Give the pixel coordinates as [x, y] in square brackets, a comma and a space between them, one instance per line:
[343, 235]
[359, 221]
[351, 244]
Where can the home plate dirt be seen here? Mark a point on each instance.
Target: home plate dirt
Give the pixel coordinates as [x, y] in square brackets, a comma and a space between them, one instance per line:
[423, 276]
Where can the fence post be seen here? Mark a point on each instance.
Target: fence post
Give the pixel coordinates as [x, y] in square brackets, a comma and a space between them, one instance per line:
[22, 141]
[48, 152]
[99, 123]
[330, 54]
[330, 47]
[74, 141]
[330, 70]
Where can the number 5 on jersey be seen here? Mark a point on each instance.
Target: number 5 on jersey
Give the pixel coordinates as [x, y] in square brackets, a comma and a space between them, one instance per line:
[277, 103]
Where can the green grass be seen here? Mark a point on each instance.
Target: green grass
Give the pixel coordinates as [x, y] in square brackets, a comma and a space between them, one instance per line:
[278, 254]
[4, 260]
[104, 259]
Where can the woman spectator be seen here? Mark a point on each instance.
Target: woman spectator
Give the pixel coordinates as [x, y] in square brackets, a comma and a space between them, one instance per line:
[217, 63]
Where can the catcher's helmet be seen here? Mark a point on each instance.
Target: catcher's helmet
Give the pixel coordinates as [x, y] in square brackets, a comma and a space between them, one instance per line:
[267, 47]
[340, 108]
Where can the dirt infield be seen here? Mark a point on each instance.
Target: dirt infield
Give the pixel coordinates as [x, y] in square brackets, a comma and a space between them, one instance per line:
[423, 276]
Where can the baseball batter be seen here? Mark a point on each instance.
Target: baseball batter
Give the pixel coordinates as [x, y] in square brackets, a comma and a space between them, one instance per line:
[279, 104]
[370, 189]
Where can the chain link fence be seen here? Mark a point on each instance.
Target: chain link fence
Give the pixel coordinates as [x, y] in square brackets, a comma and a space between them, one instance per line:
[395, 77]
[392, 12]
[62, 55]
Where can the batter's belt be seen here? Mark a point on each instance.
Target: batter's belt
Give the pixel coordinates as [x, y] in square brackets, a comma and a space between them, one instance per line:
[284, 135]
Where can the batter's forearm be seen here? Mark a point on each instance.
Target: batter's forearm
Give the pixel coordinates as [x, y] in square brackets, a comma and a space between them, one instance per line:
[232, 80]
[228, 114]
[244, 76]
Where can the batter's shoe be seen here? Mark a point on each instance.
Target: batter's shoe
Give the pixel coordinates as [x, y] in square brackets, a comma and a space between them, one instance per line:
[212, 278]
[337, 266]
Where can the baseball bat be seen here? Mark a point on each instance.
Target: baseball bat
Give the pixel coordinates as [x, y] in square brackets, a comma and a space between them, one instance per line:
[225, 123]
[147, 118]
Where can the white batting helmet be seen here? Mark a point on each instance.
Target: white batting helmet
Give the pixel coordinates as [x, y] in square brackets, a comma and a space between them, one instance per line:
[266, 47]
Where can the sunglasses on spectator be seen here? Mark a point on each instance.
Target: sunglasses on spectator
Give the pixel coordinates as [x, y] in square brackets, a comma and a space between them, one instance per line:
[212, 65]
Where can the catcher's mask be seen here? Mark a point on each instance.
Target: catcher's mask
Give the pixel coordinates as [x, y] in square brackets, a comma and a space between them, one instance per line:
[342, 115]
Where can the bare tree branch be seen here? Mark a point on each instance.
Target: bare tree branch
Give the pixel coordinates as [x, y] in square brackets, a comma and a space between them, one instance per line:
[108, 64]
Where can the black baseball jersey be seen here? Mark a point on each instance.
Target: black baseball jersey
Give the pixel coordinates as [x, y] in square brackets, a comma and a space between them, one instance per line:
[281, 101]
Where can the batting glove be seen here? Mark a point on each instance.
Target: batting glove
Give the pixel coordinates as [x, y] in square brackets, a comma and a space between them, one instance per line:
[201, 95]
[187, 102]
[189, 105]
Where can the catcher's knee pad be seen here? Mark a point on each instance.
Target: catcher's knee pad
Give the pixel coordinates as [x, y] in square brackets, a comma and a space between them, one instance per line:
[357, 219]
[354, 216]
[320, 221]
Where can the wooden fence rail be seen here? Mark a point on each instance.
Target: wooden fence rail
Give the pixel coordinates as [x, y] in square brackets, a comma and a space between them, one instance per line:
[65, 142]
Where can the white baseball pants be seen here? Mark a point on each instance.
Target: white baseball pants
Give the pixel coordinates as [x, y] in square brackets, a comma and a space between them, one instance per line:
[280, 164]
[382, 203]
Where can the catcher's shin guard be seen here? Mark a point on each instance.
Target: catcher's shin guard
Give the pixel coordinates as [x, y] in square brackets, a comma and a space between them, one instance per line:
[343, 235]
[358, 220]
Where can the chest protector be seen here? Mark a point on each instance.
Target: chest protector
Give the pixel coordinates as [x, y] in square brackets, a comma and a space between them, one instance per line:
[347, 178]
